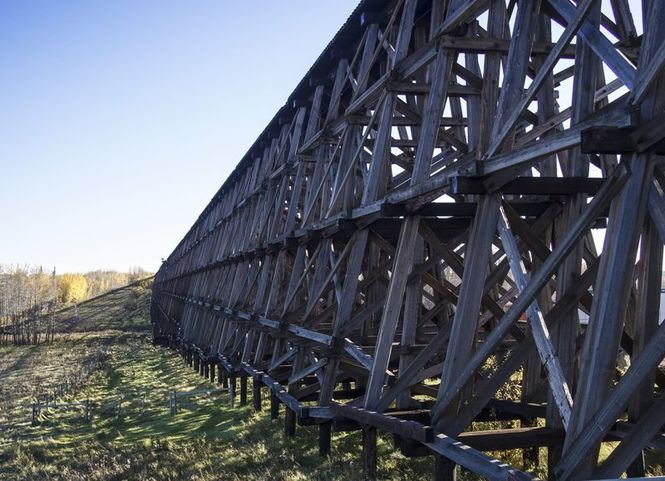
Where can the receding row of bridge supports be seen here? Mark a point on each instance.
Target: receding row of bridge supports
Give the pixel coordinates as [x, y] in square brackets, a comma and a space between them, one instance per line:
[457, 218]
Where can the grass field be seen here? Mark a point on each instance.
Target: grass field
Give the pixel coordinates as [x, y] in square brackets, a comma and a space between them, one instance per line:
[207, 440]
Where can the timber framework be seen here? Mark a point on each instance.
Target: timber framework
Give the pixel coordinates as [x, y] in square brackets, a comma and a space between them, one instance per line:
[457, 218]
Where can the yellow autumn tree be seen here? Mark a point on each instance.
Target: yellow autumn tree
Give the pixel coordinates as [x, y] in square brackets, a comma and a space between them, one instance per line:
[72, 288]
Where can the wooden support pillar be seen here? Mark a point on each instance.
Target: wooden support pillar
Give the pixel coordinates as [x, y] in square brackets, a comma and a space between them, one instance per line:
[274, 406]
[444, 469]
[206, 370]
[645, 327]
[530, 456]
[243, 389]
[256, 393]
[221, 376]
[603, 335]
[196, 363]
[325, 435]
[232, 389]
[211, 368]
[369, 453]
[464, 324]
[289, 422]
[391, 313]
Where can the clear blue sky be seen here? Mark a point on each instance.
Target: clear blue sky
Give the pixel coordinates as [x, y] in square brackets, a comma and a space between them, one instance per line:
[120, 119]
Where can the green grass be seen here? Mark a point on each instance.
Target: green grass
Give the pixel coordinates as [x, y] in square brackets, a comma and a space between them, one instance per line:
[206, 440]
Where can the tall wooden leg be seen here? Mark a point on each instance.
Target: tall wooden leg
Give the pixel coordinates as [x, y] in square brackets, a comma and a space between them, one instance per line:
[444, 469]
[289, 422]
[369, 454]
[274, 406]
[256, 394]
[232, 389]
[243, 390]
[325, 435]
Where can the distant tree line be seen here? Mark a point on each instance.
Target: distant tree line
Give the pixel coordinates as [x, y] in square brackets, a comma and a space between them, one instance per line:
[30, 296]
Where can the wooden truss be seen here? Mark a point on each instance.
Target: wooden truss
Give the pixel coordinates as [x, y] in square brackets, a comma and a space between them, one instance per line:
[411, 242]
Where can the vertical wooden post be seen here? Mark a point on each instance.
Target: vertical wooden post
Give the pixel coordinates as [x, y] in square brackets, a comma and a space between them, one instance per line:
[211, 368]
[369, 453]
[464, 324]
[232, 389]
[530, 456]
[444, 469]
[289, 422]
[243, 389]
[256, 393]
[325, 435]
[274, 406]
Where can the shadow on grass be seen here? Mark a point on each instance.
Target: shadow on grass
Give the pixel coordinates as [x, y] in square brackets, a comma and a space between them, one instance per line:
[207, 440]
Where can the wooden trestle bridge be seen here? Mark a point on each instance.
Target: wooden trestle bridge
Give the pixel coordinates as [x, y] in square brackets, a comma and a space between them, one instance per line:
[409, 244]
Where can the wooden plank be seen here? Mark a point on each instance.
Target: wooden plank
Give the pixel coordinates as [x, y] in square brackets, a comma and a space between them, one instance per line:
[558, 384]
[474, 460]
[515, 438]
[401, 269]
[529, 185]
[464, 322]
[385, 422]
